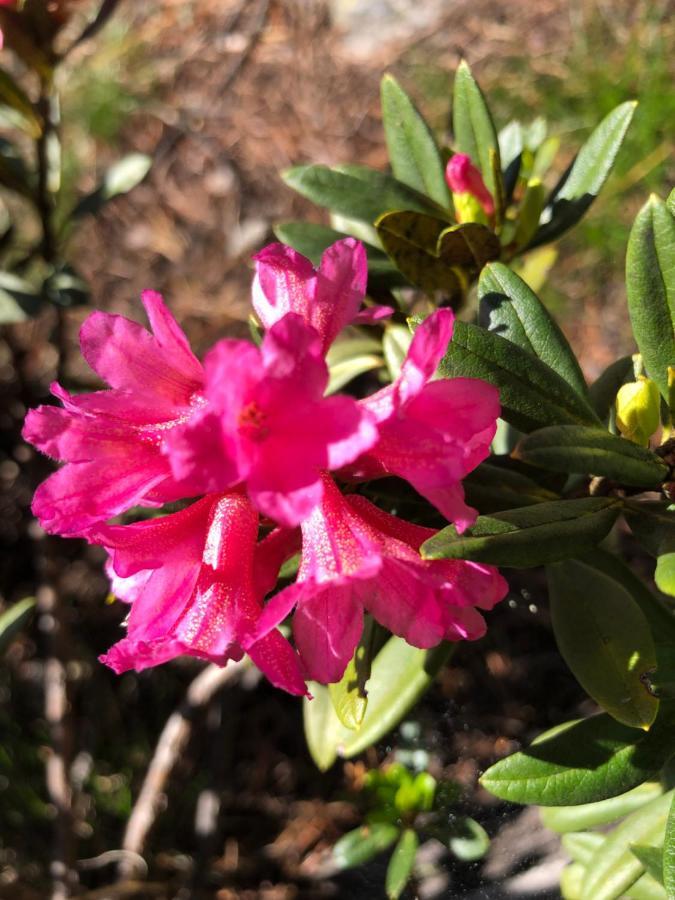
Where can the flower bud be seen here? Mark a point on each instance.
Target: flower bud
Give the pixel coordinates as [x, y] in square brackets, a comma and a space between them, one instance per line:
[637, 410]
[468, 189]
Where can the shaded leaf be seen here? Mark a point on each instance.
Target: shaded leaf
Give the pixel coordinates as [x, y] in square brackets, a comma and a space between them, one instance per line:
[14, 173]
[395, 344]
[604, 389]
[664, 574]
[605, 639]
[469, 245]
[401, 864]
[472, 124]
[120, 178]
[352, 355]
[492, 488]
[13, 96]
[651, 858]
[13, 620]
[19, 300]
[413, 153]
[358, 846]
[590, 815]
[529, 536]
[470, 842]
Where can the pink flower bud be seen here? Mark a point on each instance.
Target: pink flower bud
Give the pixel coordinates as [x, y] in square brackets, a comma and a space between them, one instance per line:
[464, 178]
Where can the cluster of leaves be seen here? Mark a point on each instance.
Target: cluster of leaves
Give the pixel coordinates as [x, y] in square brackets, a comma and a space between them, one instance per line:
[405, 807]
[35, 271]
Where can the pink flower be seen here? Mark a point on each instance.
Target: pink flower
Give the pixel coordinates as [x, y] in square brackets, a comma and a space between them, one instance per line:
[328, 298]
[356, 557]
[464, 178]
[268, 424]
[190, 579]
[432, 433]
[111, 440]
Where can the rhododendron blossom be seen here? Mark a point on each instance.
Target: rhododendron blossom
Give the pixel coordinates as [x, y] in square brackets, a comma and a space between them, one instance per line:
[190, 580]
[111, 440]
[267, 423]
[357, 558]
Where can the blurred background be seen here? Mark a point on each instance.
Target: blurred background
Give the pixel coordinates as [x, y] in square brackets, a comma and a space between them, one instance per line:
[223, 94]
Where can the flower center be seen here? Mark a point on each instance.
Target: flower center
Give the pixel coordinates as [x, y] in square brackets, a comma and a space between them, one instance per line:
[253, 422]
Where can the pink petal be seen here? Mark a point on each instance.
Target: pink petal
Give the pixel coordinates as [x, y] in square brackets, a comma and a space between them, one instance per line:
[464, 178]
[426, 350]
[327, 627]
[277, 660]
[170, 336]
[371, 315]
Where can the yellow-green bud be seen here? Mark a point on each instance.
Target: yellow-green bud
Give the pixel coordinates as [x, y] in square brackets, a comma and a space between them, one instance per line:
[637, 410]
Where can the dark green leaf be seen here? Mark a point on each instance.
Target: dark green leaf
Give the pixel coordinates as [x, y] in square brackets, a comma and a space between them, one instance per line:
[472, 124]
[492, 488]
[591, 451]
[651, 858]
[613, 868]
[583, 762]
[401, 864]
[532, 395]
[13, 620]
[66, 288]
[591, 815]
[470, 841]
[650, 286]
[605, 639]
[529, 536]
[14, 174]
[509, 308]
[357, 192]
[413, 153]
[582, 182]
[469, 245]
[669, 852]
[358, 846]
[603, 391]
[120, 178]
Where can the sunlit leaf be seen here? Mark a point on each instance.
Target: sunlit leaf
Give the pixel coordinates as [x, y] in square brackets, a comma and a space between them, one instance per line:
[13, 619]
[358, 846]
[472, 124]
[591, 815]
[120, 178]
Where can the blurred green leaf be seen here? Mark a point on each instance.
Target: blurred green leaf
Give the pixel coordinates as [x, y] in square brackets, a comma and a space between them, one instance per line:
[14, 97]
[564, 819]
[664, 575]
[583, 762]
[580, 845]
[349, 695]
[651, 858]
[604, 638]
[14, 174]
[668, 861]
[650, 286]
[582, 182]
[121, 177]
[529, 212]
[613, 868]
[413, 153]
[357, 191]
[352, 355]
[401, 864]
[604, 389]
[358, 846]
[395, 344]
[509, 308]
[528, 536]
[472, 125]
[13, 620]
[646, 888]
[589, 450]
[532, 395]
[65, 287]
[19, 300]
[470, 841]
[571, 880]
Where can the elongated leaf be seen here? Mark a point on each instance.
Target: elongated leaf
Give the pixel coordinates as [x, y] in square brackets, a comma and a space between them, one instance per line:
[14, 97]
[120, 178]
[357, 191]
[651, 858]
[358, 846]
[603, 391]
[581, 845]
[532, 395]
[401, 864]
[650, 286]
[13, 620]
[571, 880]
[591, 451]
[14, 173]
[590, 815]
[395, 344]
[583, 762]
[470, 841]
[350, 356]
[510, 308]
[669, 852]
[492, 488]
[605, 639]
[582, 182]
[651, 522]
[413, 153]
[646, 888]
[613, 868]
[472, 124]
[19, 300]
[349, 695]
[529, 536]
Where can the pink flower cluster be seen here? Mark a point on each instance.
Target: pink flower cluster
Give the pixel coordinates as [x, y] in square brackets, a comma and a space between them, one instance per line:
[251, 435]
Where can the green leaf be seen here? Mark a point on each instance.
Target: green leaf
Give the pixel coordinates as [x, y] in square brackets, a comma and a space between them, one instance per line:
[349, 695]
[14, 174]
[401, 864]
[582, 182]
[311, 240]
[413, 153]
[646, 888]
[470, 841]
[472, 124]
[400, 674]
[651, 858]
[15, 98]
[564, 819]
[664, 575]
[395, 344]
[603, 391]
[581, 845]
[571, 879]
[650, 286]
[651, 522]
[605, 639]
[510, 308]
[352, 355]
[531, 394]
[13, 620]
[591, 451]
[492, 488]
[358, 846]
[469, 245]
[529, 536]
[19, 300]
[529, 212]
[613, 868]
[357, 191]
[120, 178]
[583, 762]
[669, 852]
